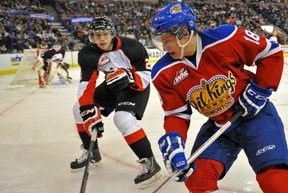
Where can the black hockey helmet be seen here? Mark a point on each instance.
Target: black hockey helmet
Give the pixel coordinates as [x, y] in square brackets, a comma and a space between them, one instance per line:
[101, 24]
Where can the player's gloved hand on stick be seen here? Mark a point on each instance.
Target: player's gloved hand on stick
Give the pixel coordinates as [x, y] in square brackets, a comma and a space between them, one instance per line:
[185, 173]
[119, 78]
[253, 99]
[172, 148]
[92, 119]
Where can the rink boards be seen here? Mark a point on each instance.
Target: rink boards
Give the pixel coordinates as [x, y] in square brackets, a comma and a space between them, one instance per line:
[10, 62]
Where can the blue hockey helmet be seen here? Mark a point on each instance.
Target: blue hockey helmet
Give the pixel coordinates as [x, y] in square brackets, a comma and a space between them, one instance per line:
[173, 18]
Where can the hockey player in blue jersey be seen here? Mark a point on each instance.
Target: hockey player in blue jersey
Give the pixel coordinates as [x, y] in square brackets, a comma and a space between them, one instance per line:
[204, 70]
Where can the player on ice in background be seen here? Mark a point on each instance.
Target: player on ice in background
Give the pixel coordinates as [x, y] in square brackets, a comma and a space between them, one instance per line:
[126, 90]
[50, 63]
[205, 70]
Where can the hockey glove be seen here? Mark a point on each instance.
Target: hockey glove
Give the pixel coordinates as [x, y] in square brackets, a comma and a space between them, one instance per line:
[92, 119]
[63, 72]
[119, 78]
[172, 148]
[253, 99]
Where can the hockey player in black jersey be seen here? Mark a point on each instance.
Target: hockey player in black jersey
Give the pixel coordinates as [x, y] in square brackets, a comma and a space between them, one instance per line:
[126, 90]
[49, 63]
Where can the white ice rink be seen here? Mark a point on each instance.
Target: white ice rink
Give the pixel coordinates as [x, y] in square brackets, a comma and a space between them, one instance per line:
[38, 141]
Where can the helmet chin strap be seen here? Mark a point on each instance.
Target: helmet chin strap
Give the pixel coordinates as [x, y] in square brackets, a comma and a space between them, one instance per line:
[182, 46]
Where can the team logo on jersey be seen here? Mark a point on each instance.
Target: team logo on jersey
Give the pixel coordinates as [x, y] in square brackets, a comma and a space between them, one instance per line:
[180, 76]
[175, 9]
[213, 97]
[103, 60]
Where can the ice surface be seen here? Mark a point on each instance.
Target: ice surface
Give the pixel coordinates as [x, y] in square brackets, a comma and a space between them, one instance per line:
[39, 140]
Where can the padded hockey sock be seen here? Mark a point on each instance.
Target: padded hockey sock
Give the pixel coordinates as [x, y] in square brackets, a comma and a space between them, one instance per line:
[273, 180]
[205, 177]
[85, 138]
[134, 135]
[139, 144]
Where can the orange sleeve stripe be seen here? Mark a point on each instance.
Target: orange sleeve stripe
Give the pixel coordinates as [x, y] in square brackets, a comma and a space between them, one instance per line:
[81, 128]
[138, 82]
[88, 94]
[132, 138]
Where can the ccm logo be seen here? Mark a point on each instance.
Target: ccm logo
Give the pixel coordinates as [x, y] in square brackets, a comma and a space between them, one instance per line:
[257, 96]
[264, 149]
[181, 163]
[87, 112]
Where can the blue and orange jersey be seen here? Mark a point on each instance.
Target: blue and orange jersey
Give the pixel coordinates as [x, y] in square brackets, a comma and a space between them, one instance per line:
[212, 79]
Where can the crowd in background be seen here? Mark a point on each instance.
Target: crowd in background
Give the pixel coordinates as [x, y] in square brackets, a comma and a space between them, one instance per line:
[131, 19]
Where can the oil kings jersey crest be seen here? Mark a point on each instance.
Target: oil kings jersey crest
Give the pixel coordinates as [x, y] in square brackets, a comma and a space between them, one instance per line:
[213, 97]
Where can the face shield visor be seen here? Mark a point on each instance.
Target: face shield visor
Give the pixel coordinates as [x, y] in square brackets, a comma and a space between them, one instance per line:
[101, 25]
[176, 30]
[173, 18]
[92, 32]
[157, 42]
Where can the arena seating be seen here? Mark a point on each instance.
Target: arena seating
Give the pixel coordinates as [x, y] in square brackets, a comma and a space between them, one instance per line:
[131, 18]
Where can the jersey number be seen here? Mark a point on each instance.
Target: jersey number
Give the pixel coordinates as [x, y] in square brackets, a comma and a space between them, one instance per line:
[252, 37]
[147, 64]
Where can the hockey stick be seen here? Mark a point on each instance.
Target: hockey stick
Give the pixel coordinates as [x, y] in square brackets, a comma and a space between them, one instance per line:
[86, 172]
[200, 150]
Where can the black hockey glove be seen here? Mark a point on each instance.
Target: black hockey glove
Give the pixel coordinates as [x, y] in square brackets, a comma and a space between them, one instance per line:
[92, 119]
[119, 78]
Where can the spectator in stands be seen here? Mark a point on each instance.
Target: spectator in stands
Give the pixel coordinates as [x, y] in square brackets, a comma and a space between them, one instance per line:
[274, 38]
[210, 14]
[44, 45]
[19, 46]
[3, 49]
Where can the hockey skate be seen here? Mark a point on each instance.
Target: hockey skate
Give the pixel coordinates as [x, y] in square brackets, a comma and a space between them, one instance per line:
[150, 173]
[80, 163]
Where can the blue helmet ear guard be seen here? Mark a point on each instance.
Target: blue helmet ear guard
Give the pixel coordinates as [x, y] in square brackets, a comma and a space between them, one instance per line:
[173, 18]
